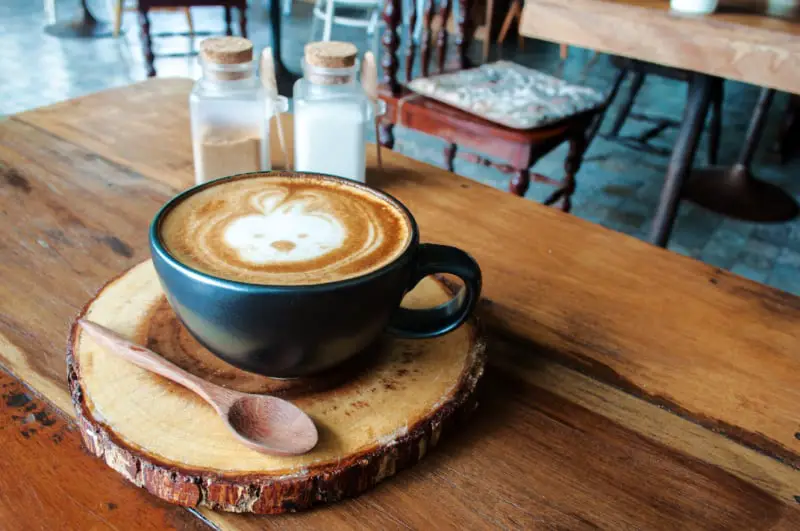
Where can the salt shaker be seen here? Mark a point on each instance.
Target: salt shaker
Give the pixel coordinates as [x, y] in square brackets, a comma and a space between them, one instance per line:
[230, 132]
[331, 113]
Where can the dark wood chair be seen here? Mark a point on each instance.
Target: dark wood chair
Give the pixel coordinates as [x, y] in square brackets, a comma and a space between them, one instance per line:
[511, 151]
[144, 21]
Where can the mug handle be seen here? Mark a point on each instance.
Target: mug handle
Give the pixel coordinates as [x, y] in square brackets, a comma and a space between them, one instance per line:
[431, 322]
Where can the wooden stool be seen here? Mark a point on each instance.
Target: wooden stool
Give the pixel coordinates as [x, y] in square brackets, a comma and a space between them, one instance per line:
[144, 20]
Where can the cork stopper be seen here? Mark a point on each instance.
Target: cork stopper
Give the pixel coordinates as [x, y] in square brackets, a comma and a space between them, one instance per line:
[226, 50]
[331, 54]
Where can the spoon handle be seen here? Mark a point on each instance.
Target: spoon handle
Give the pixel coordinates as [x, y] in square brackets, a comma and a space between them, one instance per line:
[150, 361]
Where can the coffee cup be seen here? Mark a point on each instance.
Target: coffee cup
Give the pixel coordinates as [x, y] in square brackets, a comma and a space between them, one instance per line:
[290, 274]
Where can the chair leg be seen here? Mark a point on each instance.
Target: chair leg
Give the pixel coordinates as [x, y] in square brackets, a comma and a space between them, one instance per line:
[228, 21]
[609, 99]
[625, 110]
[50, 12]
[715, 128]
[520, 182]
[147, 43]
[487, 41]
[420, 23]
[328, 28]
[315, 20]
[118, 8]
[386, 134]
[189, 21]
[577, 147]
[375, 40]
[373, 22]
[243, 21]
[450, 156]
[513, 12]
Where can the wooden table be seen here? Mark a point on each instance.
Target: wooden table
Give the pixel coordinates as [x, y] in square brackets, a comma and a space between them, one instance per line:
[731, 44]
[628, 387]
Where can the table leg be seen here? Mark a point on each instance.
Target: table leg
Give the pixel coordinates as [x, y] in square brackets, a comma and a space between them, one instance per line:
[86, 27]
[520, 182]
[682, 155]
[734, 190]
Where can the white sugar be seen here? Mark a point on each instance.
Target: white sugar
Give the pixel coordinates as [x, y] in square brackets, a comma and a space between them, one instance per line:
[330, 138]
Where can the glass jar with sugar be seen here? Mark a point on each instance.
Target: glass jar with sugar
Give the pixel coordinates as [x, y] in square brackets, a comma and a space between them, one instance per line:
[230, 129]
[331, 113]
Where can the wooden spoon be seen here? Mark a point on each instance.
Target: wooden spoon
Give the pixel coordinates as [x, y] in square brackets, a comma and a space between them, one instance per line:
[264, 423]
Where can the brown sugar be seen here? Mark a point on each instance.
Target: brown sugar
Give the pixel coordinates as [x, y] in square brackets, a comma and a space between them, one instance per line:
[224, 153]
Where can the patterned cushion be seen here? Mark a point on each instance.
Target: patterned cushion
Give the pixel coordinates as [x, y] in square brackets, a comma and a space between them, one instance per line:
[509, 94]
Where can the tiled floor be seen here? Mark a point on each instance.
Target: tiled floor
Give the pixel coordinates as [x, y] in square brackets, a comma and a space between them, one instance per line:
[618, 187]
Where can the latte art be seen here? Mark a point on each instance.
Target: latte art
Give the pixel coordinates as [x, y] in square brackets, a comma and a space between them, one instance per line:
[286, 229]
[283, 230]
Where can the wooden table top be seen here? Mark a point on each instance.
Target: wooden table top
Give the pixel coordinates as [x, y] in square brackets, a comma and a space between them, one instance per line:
[628, 387]
[733, 44]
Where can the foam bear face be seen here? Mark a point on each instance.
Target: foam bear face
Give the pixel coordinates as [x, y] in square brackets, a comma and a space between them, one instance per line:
[285, 229]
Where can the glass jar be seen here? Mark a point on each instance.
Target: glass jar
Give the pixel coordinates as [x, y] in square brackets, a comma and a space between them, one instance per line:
[331, 113]
[230, 128]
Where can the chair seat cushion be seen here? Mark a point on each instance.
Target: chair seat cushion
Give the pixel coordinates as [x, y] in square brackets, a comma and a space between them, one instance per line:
[509, 94]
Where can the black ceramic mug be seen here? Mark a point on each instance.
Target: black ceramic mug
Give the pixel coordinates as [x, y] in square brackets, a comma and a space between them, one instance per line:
[296, 330]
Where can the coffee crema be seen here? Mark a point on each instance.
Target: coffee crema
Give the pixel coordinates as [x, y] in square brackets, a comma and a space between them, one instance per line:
[283, 229]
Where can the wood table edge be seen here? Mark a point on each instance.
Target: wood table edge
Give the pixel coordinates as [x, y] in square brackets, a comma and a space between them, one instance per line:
[689, 27]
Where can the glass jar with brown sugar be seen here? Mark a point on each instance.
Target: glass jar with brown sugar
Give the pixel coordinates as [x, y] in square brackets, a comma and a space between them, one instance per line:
[230, 128]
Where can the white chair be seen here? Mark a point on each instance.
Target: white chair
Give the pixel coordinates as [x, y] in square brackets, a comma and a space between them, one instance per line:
[324, 11]
[287, 11]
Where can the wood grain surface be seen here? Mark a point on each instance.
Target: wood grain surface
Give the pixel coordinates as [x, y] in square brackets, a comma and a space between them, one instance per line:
[48, 480]
[732, 43]
[609, 359]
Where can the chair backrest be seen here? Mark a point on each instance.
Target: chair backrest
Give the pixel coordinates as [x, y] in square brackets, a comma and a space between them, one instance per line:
[392, 16]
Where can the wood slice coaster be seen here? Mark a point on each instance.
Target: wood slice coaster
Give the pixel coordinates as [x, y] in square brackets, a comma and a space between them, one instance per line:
[376, 419]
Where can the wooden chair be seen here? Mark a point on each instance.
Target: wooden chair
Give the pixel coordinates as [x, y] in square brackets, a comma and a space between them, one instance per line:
[511, 151]
[118, 7]
[145, 6]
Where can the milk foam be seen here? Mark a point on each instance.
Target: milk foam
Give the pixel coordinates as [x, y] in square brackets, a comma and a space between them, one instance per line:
[285, 231]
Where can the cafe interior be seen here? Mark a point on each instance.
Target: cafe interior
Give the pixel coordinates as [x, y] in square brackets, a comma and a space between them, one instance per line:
[744, 221]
